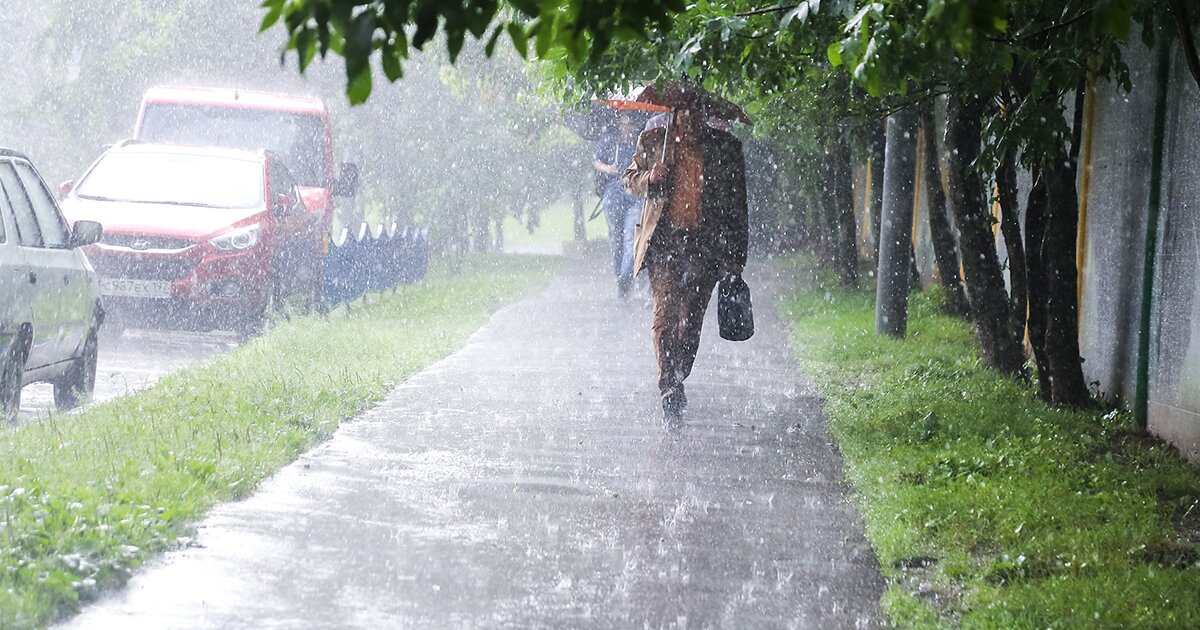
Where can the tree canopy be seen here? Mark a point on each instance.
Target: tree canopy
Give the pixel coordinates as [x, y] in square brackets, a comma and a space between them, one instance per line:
[360, 30]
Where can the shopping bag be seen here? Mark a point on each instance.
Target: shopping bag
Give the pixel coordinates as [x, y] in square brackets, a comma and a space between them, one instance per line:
[735, 315]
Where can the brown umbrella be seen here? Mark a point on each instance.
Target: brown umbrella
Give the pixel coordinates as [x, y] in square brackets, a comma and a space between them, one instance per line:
[678, 95]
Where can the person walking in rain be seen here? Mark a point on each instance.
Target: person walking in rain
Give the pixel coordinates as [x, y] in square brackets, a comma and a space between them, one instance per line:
[621, 210]
[694, 231]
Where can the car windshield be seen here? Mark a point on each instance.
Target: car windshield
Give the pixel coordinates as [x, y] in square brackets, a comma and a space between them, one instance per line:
[298, 139]
[175, 178]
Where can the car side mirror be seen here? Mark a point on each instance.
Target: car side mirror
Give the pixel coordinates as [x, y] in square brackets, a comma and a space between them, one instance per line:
[346, 185]
[282, 203]
[65, 188]
[86, 233]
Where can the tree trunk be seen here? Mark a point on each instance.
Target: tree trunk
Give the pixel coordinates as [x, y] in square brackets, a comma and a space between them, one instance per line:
[1010, 226]
[1052, 232]
[985, 283]
[827, 228]
[813, 221]
[895, 234]
[1035, 232]
[1067, 385]
[878, 141]
[480, 237]
[827, 196]
[945, 251]
[843, 198]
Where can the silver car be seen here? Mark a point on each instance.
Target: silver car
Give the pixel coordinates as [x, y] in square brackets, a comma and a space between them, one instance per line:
[50, 312]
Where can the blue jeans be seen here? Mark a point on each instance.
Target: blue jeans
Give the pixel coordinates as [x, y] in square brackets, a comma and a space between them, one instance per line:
[623, 212]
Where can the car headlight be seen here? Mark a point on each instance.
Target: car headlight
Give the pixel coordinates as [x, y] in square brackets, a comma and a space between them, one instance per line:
[237, 240]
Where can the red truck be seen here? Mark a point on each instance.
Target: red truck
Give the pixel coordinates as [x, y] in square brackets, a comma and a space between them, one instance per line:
[296, 128]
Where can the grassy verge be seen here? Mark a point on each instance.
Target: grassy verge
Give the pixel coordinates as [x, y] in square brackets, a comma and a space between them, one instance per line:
[986, 508]
[556, 225]
[85, 498]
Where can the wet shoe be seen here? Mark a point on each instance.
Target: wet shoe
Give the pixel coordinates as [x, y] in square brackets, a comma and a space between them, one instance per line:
[673, 404]
[623, 286]
[672, 421]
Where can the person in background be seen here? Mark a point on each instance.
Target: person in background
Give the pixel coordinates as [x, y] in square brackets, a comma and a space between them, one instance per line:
[621, 210]
[695, 229]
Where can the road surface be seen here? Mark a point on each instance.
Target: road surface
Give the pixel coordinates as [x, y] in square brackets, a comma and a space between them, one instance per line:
[134, 361]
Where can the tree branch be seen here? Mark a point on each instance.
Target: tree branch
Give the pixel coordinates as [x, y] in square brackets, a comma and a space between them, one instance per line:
[765, 11]
[880, 114]
[1044, 31]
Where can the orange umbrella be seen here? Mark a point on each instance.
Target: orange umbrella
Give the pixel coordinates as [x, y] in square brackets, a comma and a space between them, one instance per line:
[638, 106]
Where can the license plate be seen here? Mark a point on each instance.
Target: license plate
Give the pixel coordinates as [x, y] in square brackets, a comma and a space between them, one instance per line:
[125, 287]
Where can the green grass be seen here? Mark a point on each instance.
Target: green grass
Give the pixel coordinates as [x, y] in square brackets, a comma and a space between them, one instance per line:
[86, 498]
[987, 508]
[555, 227]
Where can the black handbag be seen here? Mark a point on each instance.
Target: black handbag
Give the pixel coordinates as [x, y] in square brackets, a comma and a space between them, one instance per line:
[735, 315]
[600, 181]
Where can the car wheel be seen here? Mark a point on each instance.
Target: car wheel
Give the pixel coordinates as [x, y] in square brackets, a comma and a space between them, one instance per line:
[259, 321]
[113, 328]
[12, 370]
[317, 302]
[76, 386]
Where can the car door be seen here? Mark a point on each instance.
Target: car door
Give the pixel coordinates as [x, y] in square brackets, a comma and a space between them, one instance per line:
[61, 259]
[293, 228]
[14, 288]
[44, 296]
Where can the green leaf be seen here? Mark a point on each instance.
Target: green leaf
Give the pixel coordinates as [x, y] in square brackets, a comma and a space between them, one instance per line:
[799, 11]
[834, 52]
[427, 24]
[545, 34]
[359, 87]
[275, 10]
[479, 16]
[520, 38]
[454, 43]
[1118, 21]
[400, 44]
[359, 40]
[935, 9]
[302, 42]
[1006, 62]
[392, 68]
[324, 38]
[873, 9]
[306, 57]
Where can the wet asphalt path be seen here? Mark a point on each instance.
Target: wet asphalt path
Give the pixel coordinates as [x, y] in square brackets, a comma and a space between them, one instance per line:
[525, 481]
[138, 359]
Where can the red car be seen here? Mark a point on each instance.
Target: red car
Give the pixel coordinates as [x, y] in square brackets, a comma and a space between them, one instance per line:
[197, 238]
[297, 128]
